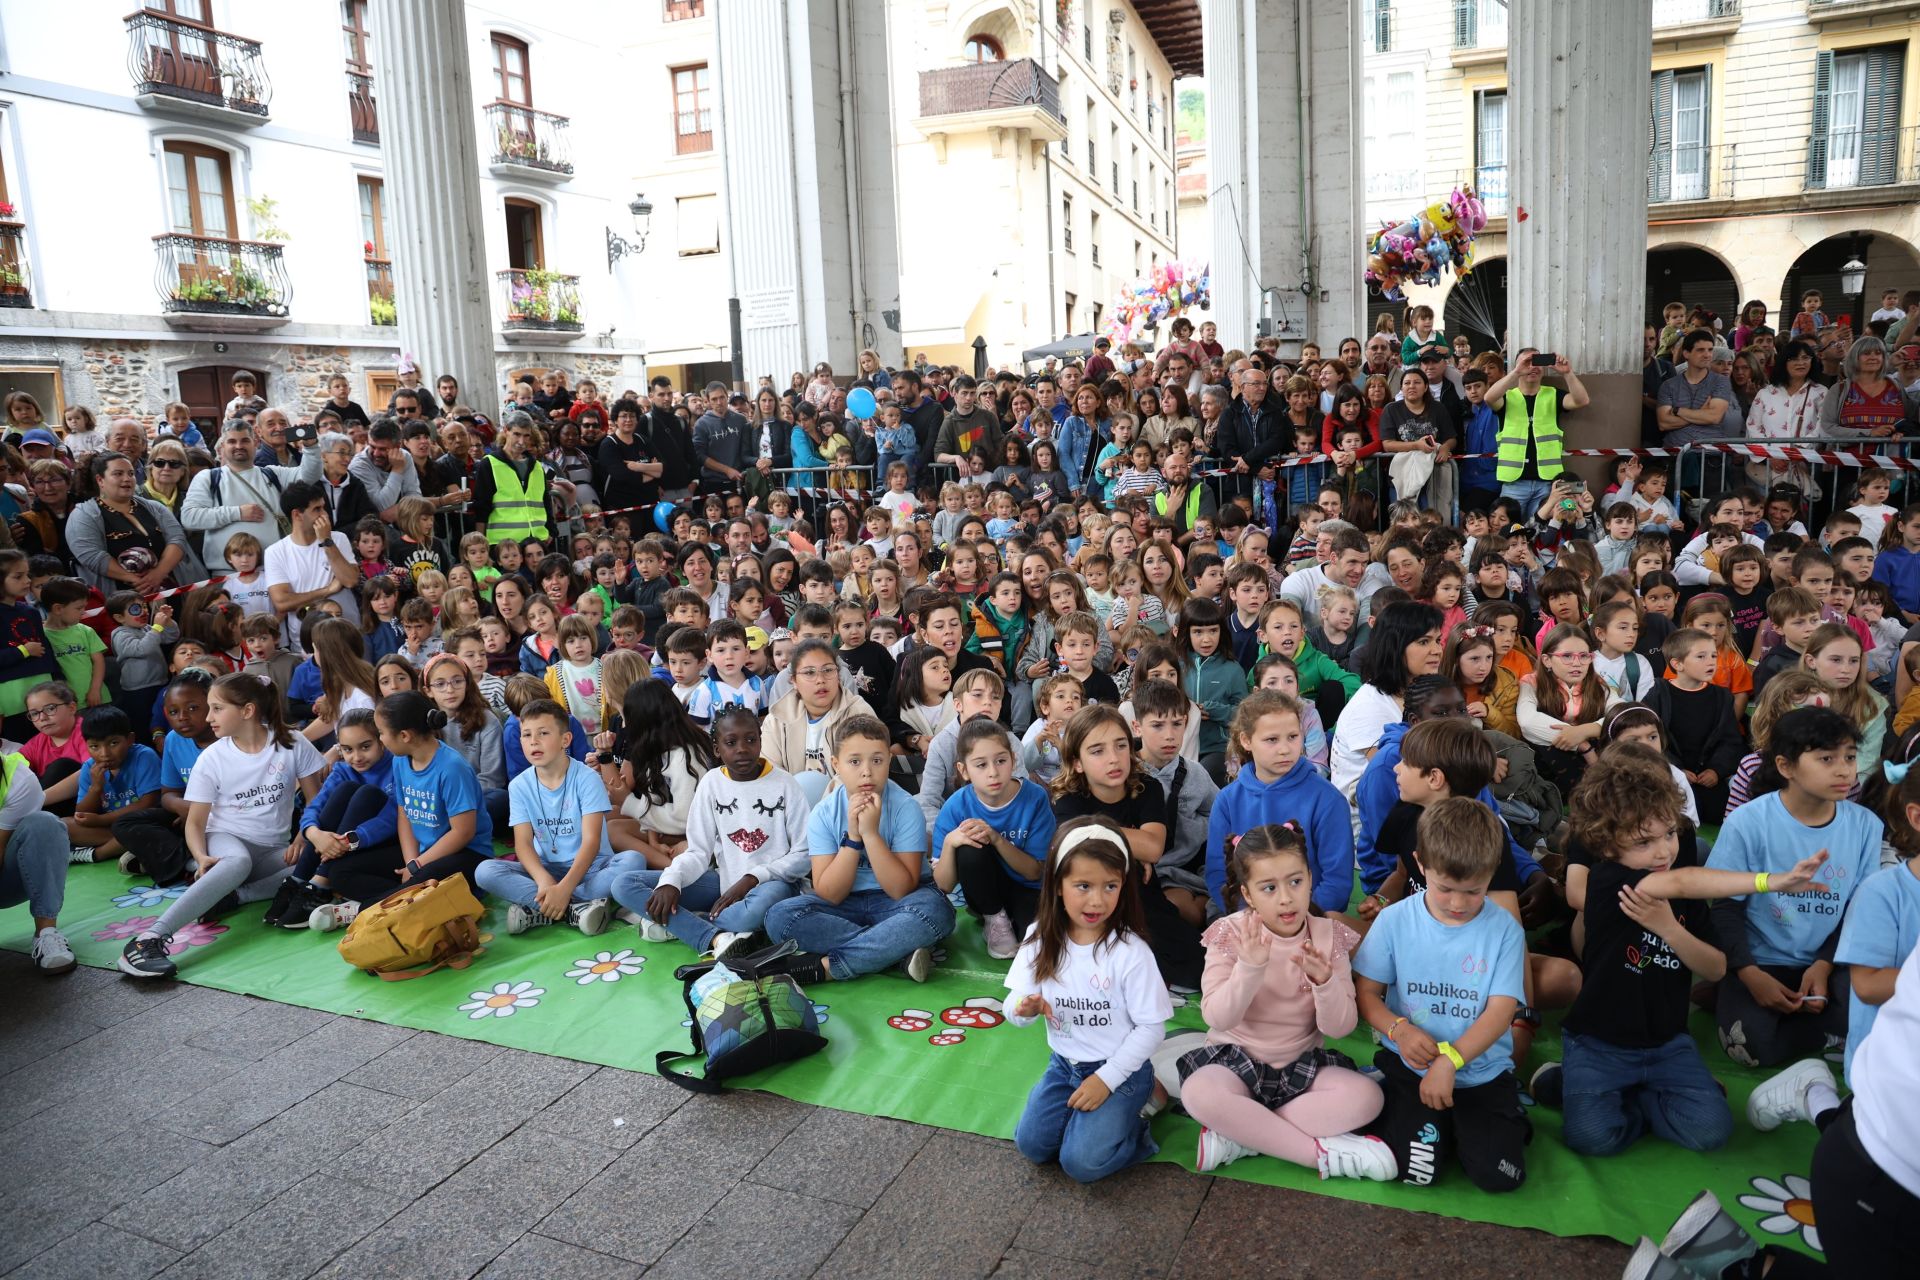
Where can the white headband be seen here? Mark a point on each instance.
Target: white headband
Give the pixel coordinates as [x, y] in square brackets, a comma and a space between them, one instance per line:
[1081, 835]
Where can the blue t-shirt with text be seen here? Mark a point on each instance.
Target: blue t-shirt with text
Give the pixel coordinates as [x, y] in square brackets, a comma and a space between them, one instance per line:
[433, 796]
[556, 813]
[1882, 929]
[139, 776]
[178, 755]
[1788, 929]
[902, 826]
[1026, 821]
[1441, 977]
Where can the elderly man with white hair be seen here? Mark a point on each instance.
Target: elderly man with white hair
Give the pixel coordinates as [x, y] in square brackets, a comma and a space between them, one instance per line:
[239, 496]
[270, 427]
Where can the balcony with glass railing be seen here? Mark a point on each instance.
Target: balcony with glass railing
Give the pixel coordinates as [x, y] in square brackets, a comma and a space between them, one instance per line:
[539, 306]
[190, 68]
[222, 285]
[16, 276]
[528, 143]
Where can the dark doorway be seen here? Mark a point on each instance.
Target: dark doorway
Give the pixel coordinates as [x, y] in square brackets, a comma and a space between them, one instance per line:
[206, 389]
[1890, 264]
[1477, 307]
[1693, 278]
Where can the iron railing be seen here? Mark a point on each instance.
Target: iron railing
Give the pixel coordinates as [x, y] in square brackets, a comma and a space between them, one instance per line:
[528, 138]
[380, 292]
[1846, 158]
[535, 299]
[1490, 183]
[1678, 13]
[366, 119]
[989, 86]
[174, 58]
[203, 275]
[1686, 172]
[16, 277]
[681, 10]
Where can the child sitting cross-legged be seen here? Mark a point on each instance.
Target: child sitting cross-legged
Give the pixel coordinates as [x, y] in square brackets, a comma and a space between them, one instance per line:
[1440, 976]
[121, 777]
[564, 863]
[746, 849]
[1628, 1065]
[1278, 982]
[1160, 714]
[352, 852]
[1087, 970]
[991, 836]
[873, 902]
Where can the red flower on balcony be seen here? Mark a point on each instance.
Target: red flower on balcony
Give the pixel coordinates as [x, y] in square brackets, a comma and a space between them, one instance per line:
[368, 247]
[7, 209]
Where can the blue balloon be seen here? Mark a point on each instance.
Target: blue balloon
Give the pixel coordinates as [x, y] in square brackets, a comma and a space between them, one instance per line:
[663, 517]
[860, 403]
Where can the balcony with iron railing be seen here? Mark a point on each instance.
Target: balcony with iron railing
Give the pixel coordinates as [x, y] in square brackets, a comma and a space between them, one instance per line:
[1480, 26]
[1019, 96]
[16, 277]
[380, 307]
[366, 119]
[221, 285]
[1681, 173]
[681, 10]
[528, 143]
[539, 306]
[190, 68]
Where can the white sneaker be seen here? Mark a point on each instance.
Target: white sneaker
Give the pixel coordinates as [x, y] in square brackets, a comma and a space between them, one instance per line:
[129, 865]
[1784, 1097]
[1001, 944]
[51, 954]
[722, 941]
[79, 855]
[650, 931]
[329, 916]
[1216, 1149]
[1349, 1155]
[919, 964]
[589, 918]
[627, 915]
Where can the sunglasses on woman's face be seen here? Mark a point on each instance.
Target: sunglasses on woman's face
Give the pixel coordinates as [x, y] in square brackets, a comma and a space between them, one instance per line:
[165, 463]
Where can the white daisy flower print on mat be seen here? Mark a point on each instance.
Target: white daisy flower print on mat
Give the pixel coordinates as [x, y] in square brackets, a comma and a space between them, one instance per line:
[503, 1001]
[606, 966]
[1789, 1207]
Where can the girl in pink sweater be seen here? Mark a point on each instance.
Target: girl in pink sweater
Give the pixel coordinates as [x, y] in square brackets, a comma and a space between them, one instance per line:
[1277, 984]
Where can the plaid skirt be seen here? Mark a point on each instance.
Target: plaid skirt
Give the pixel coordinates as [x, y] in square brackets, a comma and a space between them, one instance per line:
[1272, 1087]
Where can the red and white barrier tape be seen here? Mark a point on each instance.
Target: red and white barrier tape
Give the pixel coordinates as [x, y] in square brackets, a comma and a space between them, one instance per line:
[161, 595]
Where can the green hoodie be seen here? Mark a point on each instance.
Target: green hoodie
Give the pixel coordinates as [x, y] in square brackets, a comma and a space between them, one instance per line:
[1315, 669]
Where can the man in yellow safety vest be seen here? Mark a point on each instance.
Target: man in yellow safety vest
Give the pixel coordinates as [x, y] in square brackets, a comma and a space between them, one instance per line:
[1531, 437]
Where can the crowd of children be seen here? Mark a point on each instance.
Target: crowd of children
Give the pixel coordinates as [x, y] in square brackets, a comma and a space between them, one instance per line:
[1433, 780]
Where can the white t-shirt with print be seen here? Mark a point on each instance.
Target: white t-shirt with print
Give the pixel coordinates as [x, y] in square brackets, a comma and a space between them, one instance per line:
[252, 793]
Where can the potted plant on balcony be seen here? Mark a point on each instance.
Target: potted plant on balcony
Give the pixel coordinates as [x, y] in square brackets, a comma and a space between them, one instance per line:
[8, 209]
[382, 309]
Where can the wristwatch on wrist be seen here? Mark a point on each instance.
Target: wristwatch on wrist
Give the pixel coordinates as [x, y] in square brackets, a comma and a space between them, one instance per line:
[352, 840]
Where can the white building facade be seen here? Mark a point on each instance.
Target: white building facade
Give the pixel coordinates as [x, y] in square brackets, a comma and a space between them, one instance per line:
[197, 188]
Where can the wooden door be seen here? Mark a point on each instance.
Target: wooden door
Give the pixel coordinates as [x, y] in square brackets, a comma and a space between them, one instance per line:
[206, 389]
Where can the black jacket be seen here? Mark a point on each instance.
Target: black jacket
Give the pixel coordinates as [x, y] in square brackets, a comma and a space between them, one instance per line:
[667, 436]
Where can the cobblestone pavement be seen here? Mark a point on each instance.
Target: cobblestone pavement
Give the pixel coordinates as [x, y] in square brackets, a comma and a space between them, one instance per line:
[169, 1130]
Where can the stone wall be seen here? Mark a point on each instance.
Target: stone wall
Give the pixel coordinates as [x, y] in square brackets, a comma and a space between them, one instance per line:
[122, 374]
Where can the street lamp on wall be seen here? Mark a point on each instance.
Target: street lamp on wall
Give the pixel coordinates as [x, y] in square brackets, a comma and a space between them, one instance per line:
[619, 246]
[1853, 277]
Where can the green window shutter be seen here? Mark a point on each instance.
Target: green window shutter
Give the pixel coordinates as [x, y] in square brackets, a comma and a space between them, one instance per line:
[1817, 136]
[1660, 139]
[1880, 136]
[1466, 23]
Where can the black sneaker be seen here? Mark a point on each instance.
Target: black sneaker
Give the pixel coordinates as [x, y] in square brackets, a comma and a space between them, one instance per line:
[1547, 1085]
[225, 907]
[146, 958]
[300, 909]
[283, 899]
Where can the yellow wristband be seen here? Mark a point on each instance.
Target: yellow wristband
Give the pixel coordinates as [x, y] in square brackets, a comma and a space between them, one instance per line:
[1394, 1026]
[1451, 1054]
[1760, 882]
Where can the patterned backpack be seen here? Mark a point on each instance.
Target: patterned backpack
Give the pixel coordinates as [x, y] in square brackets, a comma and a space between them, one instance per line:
[747, 1014]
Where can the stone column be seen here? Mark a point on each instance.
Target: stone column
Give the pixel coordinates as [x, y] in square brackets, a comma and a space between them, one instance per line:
[1576, 233]
[1284, 168]
[806, 139]
[430, 142]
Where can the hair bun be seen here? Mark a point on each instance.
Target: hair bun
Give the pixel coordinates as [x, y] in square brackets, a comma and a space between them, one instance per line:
[436, 719]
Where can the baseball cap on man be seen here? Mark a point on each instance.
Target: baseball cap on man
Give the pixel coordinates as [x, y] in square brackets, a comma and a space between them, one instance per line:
[1433, 351]
[41, 436]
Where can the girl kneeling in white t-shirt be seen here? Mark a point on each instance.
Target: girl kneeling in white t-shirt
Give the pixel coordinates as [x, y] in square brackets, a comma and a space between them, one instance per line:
[240, 804]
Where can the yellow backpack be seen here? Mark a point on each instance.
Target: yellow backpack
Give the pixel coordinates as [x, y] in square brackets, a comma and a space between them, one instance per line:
[424, 927]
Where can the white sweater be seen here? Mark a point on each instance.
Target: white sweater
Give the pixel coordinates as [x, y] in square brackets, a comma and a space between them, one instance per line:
[669, 819]
[755, 828]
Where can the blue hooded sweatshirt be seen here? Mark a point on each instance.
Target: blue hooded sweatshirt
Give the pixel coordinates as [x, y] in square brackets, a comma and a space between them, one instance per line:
[376, 831]
[1377, 793]
[1300, 796]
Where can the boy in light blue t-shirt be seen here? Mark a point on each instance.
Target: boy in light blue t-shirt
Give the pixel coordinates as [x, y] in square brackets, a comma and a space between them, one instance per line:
[1882, 929]
[992, 836]
[1440, 977]
[874, 903]
[558, 809]
[120, 777]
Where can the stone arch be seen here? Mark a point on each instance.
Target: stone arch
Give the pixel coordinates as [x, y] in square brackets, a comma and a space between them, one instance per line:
[1892, 262]
[1695, 276]
[993, 18]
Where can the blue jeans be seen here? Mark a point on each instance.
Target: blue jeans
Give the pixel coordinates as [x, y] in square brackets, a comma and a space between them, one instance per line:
[34, 870]
[866, 931]
[506, 878]
[1530, 492]
[633, 886]
[1612, 1095]
[1089, 1145]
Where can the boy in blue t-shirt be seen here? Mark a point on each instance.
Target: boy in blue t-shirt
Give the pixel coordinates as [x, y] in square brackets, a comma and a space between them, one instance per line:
[1439, 976]
[558, 811]
[992, 836]
[873, 903]
[1882, 930]
[121, 777]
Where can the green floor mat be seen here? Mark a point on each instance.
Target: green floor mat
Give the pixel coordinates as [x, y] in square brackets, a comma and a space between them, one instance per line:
[938, 1053]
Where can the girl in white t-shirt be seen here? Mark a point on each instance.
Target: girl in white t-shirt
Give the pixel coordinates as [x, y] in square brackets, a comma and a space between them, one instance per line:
[347, 680]
[240, 806]
[1085, 968]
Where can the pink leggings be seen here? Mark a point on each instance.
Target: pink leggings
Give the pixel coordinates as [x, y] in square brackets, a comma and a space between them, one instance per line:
[1339, 1102]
